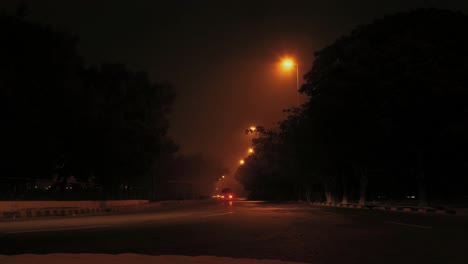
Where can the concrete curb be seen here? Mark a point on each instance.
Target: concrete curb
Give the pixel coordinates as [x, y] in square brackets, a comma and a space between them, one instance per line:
[130, 208]
[35, 213]
[74, 211]
[411, 209]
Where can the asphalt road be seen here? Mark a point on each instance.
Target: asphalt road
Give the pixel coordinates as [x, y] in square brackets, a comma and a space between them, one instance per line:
[293, 232]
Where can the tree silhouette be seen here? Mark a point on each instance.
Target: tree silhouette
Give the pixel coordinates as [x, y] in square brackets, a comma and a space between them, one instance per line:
[386, 115]
[106, 121]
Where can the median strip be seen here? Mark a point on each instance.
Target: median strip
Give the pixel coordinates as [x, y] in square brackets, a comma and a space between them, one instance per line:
[57, 229]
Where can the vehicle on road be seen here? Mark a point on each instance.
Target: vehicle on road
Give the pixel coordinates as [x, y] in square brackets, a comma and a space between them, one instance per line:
[227, 194]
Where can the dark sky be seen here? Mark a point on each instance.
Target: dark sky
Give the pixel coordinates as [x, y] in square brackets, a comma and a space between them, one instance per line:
[221, 56]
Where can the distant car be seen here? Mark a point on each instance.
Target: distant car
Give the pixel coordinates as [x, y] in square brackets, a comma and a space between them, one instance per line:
[227, 194]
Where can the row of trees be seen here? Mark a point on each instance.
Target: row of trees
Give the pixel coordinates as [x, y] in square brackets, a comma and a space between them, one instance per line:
[103, 122]
[387, 118]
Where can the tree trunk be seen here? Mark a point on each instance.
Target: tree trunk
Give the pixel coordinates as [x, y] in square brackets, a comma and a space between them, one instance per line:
[363, 179]
[420, 176]
[329, 197]
[344, 199]
[298, 192]
[307, 193]
[422, 194]
[63, 186]
[328, 194]
[152, 181]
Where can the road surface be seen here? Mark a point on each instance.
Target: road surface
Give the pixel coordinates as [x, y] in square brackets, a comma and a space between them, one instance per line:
[292, 232]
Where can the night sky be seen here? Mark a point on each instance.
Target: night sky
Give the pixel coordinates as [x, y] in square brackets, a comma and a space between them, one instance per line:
[221, 56]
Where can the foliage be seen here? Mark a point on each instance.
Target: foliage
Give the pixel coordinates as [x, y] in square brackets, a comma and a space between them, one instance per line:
[386, 116]
[103, 122]
[126, 121]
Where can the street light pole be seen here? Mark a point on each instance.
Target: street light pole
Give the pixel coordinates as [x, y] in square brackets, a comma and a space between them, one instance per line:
[288, 64]
[297, 84]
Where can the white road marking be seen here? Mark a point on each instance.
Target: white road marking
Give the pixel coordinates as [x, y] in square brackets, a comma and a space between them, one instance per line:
[56, 229]
[217, 214]
[411, 225]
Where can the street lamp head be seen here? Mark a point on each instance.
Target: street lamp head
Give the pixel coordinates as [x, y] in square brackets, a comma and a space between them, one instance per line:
[287, 63]
[241, 162]
[252, 128]
[251, 150]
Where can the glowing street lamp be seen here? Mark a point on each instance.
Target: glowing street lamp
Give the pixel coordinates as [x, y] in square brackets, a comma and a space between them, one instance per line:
[222, 176]
[251, 151]
[241, 162]
[288, 64]
[252, 130]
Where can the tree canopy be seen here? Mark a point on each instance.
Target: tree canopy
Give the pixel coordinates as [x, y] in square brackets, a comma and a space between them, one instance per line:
[103, 122]
[386, 116]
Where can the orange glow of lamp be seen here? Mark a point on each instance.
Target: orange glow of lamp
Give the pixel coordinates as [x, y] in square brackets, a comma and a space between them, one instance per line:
[289, 64]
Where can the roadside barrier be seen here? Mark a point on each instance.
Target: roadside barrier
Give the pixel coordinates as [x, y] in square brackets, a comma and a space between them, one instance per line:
[412, 209]
[30, 213]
